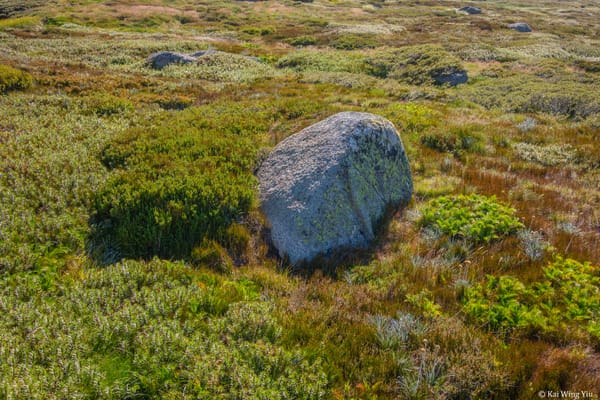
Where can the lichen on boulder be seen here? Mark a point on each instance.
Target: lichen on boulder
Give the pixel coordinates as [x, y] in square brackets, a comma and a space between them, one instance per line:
[163, 59]
[328, 187]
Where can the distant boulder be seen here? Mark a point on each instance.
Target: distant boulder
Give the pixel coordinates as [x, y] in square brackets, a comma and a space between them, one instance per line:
[520, 26]
[451, 78]
[470, 10]
[164, 58]
[203, 53]
[328, 187]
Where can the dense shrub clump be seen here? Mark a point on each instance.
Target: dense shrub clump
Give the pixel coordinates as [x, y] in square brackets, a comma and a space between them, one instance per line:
[570, 291]
[104, 105]
[185, 177]
[354, 41]
[14, 79]
[323, 61]
[473, 217]
[454, 140]
[416, 65]
[148, 330]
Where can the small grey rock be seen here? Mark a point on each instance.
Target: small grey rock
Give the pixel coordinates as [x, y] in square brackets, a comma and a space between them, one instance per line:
[470, 10]
[527, 125]
[452, 78]
[520, 26]
[327, 187]
[164, 58]
[203, 53]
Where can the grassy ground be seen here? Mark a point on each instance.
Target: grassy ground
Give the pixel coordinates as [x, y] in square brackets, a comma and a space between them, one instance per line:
[485, 286]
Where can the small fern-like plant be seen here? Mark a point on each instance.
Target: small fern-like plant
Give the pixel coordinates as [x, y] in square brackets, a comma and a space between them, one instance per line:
[477, 218]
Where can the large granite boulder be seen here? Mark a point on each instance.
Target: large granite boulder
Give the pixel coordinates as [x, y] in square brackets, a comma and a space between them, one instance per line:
[327, 187]
[164, 58]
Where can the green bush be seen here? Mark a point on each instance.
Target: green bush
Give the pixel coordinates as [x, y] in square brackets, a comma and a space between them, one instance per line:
[588, 65]
[184, 177]
[19, 22]
[258, 31]
[550, 155]
[149, 330]
[323, 61]
[453, 140]
[237, 239]
[212, 255]
[564, 94]
[473, 217]
[305, 40]
[504, 303]
[14, 79]
[416, 65]
[568, 294]
[354, 41]
[105, 105]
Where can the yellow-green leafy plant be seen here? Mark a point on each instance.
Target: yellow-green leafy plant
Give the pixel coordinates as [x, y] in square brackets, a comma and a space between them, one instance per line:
[473, 217]
[14, 79]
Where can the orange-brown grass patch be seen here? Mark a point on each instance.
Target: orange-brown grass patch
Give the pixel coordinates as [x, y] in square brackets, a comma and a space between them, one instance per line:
[571, 368]
[330, 318]
[538, 214]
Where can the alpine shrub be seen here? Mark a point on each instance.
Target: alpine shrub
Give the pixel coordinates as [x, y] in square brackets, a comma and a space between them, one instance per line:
[183, 178]
[473, 217]
[14, 79]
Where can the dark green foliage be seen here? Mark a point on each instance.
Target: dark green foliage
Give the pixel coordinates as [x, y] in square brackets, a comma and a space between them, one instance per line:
[211, 254]
[354, 41]
[589, 66]
[105, 105]
[180, 179]
[561, 104]
[14, 79]
[416, 65]
[473, 217]
[237, 239]
[569, 292]
[453, 140]
[9, 8]
[567, 94]
[258, 31]
[322, 61]
[155, 330]
[305, 40]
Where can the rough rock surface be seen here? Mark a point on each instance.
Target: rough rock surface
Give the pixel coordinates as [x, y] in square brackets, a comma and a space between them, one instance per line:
[470, 10]
[521, 27]
[326, 187]
[162, 59]
[452, 78]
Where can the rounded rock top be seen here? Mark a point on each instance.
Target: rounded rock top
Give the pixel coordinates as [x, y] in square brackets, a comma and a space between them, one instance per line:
[520, 27]
[327, 187]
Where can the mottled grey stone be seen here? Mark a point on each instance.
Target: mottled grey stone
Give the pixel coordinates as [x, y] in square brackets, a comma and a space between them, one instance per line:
[452, 78]
[164, 58]
[520, 26]
[327, 187]
[470, 10]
